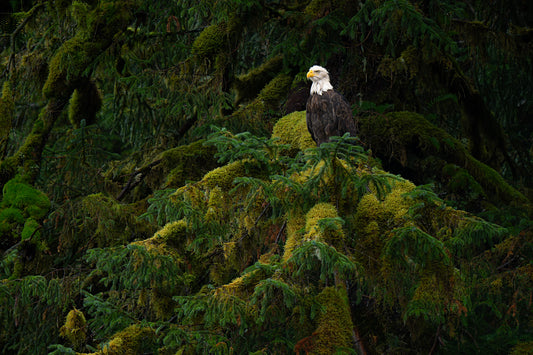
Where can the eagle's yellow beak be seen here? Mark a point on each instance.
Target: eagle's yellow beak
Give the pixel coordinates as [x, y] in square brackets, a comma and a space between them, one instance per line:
[310, 74]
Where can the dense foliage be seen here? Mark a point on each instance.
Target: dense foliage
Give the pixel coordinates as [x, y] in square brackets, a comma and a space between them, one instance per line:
[161, 193]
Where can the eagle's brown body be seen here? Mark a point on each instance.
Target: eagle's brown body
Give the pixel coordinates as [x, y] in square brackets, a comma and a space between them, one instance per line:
[329, 115]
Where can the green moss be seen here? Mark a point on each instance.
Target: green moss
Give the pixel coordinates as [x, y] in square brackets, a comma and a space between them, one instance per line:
[8, 217]
[22, 196]
[409, 139]
[292, 129]
[189, 162]
[7, 108]
[170, 241]
[105, 222]
[396, 206]
[275, 91]
[462, 183]
[210, 41]
[30, 229]
[75, 328]
[68, 64]
[173, 234]
[258, 112]
[216, 206]
[334, 332]
[250, 84]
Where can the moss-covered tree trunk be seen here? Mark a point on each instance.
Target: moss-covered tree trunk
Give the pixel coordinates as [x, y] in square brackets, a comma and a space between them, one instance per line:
[99, 28]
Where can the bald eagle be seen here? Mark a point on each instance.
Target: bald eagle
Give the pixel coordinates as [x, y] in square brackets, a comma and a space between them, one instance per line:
[328, 113]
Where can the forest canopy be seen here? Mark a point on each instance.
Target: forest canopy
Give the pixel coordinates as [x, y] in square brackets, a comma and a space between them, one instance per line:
[161, 193]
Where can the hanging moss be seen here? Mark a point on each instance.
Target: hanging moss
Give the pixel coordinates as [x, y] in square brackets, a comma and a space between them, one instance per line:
[170, 241]
[292, 129]
[75, 328]
[84, 104]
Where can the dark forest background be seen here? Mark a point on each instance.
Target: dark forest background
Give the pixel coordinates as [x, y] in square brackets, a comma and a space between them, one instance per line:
[161, 193]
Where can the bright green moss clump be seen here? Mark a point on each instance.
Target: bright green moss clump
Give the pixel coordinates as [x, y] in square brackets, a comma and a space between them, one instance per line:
[292, 129]
[27, 199]
[21, 209]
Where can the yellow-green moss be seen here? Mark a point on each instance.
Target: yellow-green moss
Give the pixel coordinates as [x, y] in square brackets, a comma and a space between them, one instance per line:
[216, 206]
[250, 84]
[131, 341]
[395, 205]
[275, 91]
[105, 222]
[223, 177]
[256, 113]
[333, 334]
[75, 328]
[523, 348]
[295, 232]
[292, 129]
[332, 234]
[173, 234]
[170, 241]
[210, 41]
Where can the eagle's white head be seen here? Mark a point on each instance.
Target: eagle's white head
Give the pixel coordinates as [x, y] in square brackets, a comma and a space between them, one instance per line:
[320, 78]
